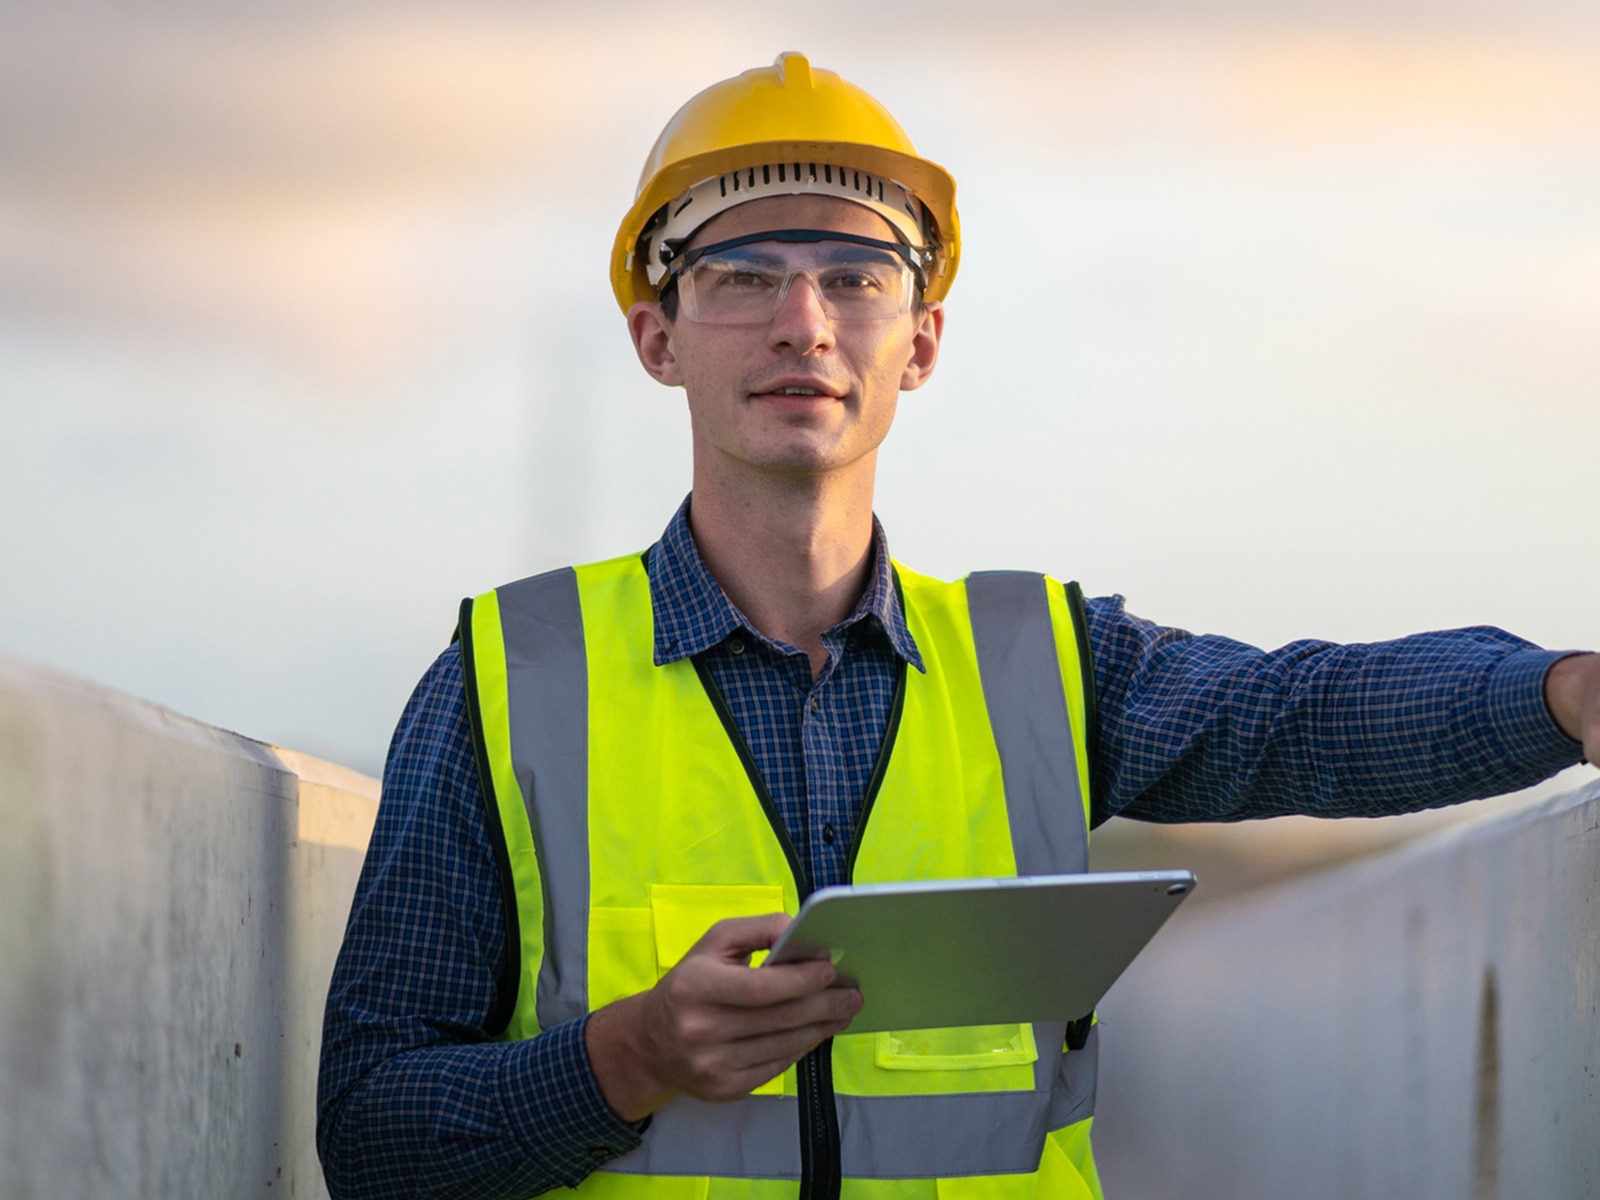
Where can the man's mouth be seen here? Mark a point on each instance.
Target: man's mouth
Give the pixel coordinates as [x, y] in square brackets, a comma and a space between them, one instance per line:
[800, 391]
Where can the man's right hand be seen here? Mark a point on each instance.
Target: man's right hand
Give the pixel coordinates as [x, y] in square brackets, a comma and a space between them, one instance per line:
[712, 1027]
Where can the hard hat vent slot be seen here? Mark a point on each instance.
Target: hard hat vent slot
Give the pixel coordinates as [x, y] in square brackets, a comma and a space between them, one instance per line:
[890, 199]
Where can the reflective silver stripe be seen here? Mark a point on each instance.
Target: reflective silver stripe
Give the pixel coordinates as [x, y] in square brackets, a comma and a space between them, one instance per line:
[1028, 712]
[1077, 1076]
[547, 684]
[914, 1137]
[753, 1138]
[1022, 689]
[882, 1137]
[1051, 1039]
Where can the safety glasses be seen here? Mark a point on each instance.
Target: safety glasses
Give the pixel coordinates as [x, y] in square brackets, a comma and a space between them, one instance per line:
[744, 280]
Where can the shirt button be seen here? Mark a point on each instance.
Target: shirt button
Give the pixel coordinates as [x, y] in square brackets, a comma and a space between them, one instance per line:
[827, 833]
[737, 646]
[599, 1152]
[814, 703]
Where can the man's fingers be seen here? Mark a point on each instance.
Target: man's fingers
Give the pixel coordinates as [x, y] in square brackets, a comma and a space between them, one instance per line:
[736, 1069]
[715, 1028]
[716, 968]
[741, 936]
[734, 985]
[831, 1006]
[786, 1047]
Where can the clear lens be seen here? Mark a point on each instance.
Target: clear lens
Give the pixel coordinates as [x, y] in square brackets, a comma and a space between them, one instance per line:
[744, 285]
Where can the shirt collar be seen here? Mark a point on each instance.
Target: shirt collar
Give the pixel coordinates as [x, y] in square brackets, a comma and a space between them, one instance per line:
[693, 613]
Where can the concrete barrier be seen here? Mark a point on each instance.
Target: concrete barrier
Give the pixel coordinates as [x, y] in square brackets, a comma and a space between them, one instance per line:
[1422, 1024]
[171, 900]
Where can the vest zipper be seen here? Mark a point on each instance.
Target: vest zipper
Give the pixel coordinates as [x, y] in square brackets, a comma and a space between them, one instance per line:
[821, 1167]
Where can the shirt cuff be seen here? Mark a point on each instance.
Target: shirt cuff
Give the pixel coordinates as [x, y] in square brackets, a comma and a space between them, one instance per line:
[554, 1103]
[1519, 716]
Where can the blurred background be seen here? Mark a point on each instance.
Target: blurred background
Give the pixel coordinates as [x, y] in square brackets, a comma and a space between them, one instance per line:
[1281, 319]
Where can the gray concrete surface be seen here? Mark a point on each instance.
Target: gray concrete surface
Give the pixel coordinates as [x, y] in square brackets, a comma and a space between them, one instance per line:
[1422, 1024]
[171, 899]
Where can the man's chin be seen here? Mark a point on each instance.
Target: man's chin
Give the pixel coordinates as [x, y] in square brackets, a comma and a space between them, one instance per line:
[800, 460]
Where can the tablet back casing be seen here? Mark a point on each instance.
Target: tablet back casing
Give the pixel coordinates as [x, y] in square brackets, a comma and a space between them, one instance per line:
[987, 951]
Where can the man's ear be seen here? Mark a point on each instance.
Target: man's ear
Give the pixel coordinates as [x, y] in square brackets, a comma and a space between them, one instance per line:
[652, 342]
[924, 347]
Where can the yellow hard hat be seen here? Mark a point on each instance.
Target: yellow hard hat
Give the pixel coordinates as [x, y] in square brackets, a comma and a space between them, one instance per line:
[788, 120]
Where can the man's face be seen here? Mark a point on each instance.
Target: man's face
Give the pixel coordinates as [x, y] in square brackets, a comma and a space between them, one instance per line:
[802, 393]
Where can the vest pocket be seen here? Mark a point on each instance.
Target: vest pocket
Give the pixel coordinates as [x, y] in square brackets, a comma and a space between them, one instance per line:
[965, 1048]
[683, 912]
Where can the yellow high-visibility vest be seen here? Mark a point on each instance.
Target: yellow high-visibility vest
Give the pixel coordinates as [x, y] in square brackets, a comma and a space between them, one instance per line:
[628, 817]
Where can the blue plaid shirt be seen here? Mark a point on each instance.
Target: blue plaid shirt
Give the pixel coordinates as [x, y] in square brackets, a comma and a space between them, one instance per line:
[414, 1100]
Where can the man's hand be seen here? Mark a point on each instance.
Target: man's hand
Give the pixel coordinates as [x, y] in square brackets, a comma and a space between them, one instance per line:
[1572, 694]
[713, 1028]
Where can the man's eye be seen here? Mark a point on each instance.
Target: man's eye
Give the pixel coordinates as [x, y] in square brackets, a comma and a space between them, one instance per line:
[853, 280]
[741, 278]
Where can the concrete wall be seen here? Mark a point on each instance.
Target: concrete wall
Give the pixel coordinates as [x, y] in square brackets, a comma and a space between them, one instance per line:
[1422, 1024]
[171, 899]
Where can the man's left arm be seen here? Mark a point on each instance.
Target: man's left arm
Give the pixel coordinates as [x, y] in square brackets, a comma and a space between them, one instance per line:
[1205, 728]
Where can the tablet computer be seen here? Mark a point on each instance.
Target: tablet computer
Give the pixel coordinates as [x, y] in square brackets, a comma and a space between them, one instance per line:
[982, 951]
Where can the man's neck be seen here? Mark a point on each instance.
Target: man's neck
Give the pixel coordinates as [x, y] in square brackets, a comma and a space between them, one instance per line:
[794, 557]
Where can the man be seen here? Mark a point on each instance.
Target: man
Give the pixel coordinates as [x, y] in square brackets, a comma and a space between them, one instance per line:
[602, 801]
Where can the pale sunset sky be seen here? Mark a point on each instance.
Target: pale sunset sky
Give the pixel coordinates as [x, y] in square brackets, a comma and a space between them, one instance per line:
[1281, 322]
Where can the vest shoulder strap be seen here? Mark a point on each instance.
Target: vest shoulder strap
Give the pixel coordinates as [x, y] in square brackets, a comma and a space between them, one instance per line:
[1031, 636]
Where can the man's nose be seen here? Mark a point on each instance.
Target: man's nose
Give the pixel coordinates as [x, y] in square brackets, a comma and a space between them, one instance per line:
[799, 322]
